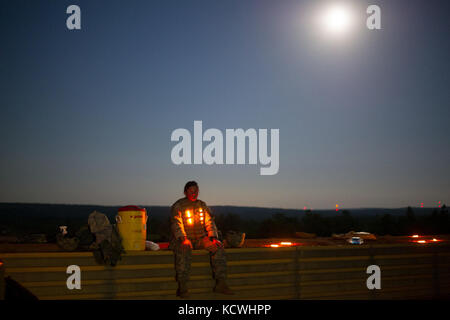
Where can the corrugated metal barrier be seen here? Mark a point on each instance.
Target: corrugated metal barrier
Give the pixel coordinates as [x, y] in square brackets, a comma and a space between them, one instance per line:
[408, 271]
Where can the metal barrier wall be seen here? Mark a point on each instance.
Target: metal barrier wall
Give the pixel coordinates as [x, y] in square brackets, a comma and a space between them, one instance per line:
[408, 271]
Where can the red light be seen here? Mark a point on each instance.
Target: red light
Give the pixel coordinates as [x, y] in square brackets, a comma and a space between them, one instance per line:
[281, 244]
[421, 241]
[421, 205]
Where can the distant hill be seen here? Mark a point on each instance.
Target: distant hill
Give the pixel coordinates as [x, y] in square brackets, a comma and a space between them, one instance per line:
[68, 211]
[22, 219]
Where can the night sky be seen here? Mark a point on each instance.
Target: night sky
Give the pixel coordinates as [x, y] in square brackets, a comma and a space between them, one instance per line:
[86, 115]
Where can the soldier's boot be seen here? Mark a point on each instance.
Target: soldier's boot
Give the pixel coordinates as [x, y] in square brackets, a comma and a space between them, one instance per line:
[182, 290]
[222, 287]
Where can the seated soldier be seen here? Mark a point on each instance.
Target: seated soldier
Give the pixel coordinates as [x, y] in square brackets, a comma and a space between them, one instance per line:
[193, 227]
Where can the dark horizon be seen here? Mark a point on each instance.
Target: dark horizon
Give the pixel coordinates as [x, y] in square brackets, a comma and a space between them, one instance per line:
[24, 220]
[231, 206]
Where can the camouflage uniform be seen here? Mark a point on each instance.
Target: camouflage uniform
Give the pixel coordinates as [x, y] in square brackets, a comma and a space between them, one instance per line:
[193, 220]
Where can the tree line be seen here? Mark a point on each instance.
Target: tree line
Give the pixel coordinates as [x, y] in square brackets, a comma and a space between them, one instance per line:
[278, 225]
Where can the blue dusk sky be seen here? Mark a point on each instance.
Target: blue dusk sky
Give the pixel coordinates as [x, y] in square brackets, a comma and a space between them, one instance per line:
[86, 115]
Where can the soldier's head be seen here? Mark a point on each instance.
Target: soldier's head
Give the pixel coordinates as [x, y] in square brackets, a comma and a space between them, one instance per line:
[191, 190]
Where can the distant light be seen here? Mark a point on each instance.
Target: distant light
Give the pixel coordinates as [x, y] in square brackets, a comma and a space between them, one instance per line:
[421, 241]
[274, 245]
[337, 19]
[415, 236]
[435, 240]
[304, 208]
[286, 243]
[421, 205]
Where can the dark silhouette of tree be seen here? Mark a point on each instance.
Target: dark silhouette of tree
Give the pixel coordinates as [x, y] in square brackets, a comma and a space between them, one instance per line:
[410, 215]
[279, 225]
[228, 222]
[314, 223]
[438, 222]
[343, 223]
[409, 224]
[386, 225]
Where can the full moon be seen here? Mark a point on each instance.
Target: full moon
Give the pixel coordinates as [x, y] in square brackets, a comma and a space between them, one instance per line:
[337, 19]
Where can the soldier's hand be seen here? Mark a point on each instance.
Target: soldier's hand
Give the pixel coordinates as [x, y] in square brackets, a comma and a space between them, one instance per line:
[186, 243]
[212, 244]
[217, 243]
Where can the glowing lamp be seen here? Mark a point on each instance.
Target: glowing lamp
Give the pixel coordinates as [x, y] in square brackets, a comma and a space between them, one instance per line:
[421, 241]
[415, 236]
[188, 213]
[337, 19]
[274, 245]
[286, 243]
[190, 221]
